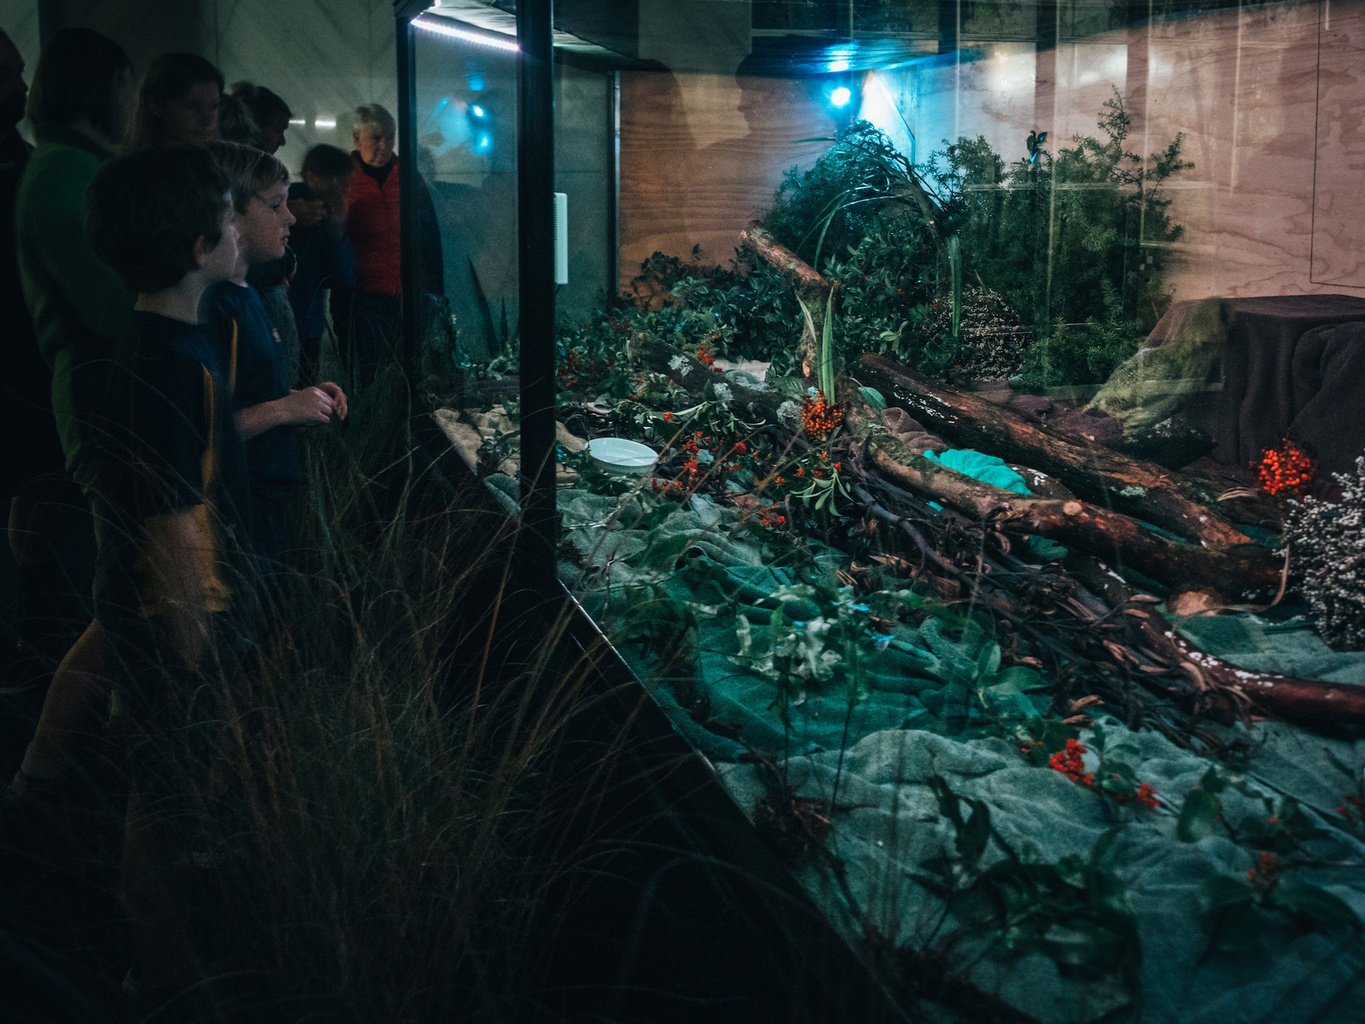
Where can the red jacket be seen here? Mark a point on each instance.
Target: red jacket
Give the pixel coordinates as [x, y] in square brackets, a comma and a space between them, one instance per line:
[372, 226]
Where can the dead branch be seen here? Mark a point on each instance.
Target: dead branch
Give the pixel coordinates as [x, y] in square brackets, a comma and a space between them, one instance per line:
[1111, 535]
[1313, 703]
[1138, 488]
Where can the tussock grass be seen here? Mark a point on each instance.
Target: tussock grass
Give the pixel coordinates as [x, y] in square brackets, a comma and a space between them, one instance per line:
[382, 806]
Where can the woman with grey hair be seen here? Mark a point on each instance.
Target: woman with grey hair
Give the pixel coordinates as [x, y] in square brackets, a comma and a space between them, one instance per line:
[367, 317]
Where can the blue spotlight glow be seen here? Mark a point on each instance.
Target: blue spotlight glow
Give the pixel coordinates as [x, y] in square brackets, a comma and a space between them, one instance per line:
[838, 64]
[840, 97]
[476, 111]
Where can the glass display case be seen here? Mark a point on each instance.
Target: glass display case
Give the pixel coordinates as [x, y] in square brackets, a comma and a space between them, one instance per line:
[951, 412]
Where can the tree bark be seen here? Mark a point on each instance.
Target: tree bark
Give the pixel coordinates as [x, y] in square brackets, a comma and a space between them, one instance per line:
[1141, 489]
[1313, 703]
[811, 287]
[809, 283]
[1244, 571]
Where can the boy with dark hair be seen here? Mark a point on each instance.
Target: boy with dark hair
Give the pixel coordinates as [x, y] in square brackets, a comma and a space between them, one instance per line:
[323, 253]
[163, 220]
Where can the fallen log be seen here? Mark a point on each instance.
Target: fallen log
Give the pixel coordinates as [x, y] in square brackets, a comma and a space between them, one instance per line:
[1039, 613]
[748, 398]
[808, 282]
[1244, 571]
[1141, 489]
[811, 287]
[1313, 703]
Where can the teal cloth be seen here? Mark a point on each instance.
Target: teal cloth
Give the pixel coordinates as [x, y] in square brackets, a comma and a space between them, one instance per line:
[979, 466]
[683, 590]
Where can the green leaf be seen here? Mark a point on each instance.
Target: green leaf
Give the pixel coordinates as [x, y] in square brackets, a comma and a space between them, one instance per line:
[1316, 903]
[974, 834]
[1198, 815]
[874, 398]
[825, 362]
[1225, 891]
[988, 661]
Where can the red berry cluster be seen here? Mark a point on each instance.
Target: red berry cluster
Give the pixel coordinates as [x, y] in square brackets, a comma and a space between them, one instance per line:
[820, 418]
[723, 461]
[770, 516]
[1146, 796]
[706, 358]
[575, 366]
[1267, 872]
[1070, 762]
[1287, 469]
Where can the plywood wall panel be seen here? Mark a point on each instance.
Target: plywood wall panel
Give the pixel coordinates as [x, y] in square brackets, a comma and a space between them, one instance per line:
[701, 157]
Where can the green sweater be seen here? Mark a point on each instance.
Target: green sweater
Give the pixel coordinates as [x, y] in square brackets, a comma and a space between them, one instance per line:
[81, 309]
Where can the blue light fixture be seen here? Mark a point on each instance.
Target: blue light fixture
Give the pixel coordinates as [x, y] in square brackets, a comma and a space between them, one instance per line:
[840, 96]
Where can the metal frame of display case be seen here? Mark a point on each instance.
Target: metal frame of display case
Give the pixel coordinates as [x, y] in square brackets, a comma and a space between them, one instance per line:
[830, 978]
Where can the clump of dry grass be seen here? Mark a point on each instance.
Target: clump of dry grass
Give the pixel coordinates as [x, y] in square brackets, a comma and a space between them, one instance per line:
[371, 818]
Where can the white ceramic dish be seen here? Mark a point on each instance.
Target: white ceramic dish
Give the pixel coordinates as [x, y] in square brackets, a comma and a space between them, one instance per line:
[617, 455]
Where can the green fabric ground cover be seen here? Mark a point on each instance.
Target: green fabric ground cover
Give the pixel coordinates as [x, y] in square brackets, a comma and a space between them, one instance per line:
[952, 834]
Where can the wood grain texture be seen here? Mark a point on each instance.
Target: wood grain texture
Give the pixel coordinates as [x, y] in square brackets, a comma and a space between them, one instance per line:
[701, 158]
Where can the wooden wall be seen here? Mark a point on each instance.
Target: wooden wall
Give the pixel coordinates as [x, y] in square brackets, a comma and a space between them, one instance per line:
[1269, 100]
[695, 169]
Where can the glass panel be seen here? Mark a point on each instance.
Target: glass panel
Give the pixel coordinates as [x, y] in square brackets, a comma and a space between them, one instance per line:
[466, 126]
[946, 508]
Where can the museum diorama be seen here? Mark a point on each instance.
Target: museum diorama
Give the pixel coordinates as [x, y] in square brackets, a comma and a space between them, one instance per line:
[957, 428]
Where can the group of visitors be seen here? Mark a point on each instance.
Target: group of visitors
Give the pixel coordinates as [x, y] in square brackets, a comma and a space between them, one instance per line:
[166, 288]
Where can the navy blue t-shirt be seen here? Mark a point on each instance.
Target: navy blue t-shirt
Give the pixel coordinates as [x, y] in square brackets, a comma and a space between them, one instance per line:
[256, 369]
[179, 452]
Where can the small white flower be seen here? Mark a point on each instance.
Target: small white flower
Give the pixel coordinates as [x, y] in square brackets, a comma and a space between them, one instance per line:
[788, 411]
[678, 362]
[723, 393]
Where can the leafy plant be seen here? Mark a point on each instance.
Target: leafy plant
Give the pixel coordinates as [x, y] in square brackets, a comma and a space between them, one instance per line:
[861, 182]
[1073, 911]
[1064, 237]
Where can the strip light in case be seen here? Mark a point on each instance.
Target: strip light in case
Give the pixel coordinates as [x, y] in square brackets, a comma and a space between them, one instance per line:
[561, 238]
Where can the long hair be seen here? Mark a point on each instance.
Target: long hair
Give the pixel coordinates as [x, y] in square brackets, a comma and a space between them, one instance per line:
[169, 76]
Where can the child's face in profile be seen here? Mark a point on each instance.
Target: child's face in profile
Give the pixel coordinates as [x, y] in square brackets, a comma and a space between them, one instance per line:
[265, 225]
[220, 262]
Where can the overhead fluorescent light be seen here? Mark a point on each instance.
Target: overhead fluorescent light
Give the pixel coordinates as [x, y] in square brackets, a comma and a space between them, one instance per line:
[443, 27]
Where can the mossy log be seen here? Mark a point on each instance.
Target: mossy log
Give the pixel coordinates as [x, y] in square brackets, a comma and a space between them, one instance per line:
[1242, 571]
[809, 283]
[1099, 474]
[749, 399]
